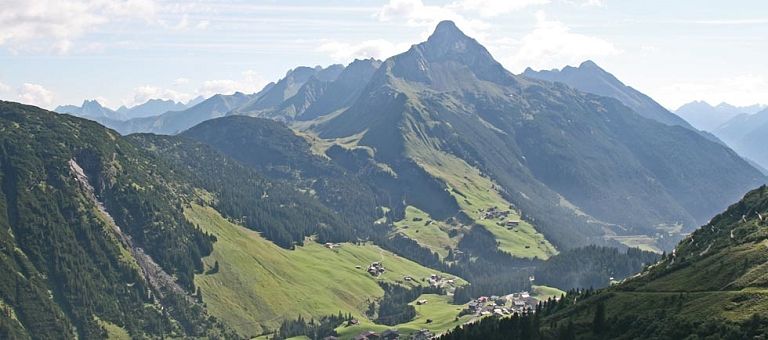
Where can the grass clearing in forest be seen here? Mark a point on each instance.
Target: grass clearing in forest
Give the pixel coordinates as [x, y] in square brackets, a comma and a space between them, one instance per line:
[259, 284]
[475, 192]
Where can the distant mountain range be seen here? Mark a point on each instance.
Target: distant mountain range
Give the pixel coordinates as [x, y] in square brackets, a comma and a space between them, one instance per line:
[745, 128]
[564, 156]
[173, 122]
[305, 93]
[708, 118]
[748, 135]
[549, 146]
[92, 109]
[589, 77]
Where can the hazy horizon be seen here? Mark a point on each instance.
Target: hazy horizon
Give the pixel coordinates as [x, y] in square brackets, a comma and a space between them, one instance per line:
[125, 52]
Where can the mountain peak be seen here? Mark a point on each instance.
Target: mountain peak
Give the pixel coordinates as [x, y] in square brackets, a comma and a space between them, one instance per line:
[447, 27]
[447, 32]
[461, 54]
[589, 64]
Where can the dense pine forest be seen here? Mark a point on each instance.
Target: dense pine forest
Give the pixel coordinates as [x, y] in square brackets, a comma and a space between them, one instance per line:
[66, 271]
[592, 266]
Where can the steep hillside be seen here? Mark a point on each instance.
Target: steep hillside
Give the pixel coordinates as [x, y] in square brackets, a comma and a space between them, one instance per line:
[589, 77]
[93, 237]
[717, 275]
[562, 157]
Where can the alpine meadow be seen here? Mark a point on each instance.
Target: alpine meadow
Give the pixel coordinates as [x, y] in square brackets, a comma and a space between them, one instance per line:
[414, 170]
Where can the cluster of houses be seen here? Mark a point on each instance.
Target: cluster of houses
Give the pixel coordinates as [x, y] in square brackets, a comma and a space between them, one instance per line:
[495, 213]
[390, 334]
[503, 305]
[435, 281]
[376, 269]
[441, 282]
[330, 245]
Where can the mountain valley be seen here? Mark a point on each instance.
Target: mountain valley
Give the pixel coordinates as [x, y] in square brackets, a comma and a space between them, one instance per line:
[432, 194]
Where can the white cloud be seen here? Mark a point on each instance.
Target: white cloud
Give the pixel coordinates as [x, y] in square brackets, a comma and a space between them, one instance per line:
[4, 88]
[377, 48]
[182, 25]
[740, 90]
[54, 24]
[251, 82]
[35, 94]
[491, 8]
[586, 3]
[416, 13]
[104, 101]
[181, 81]
[203, 24]
[552, 44]
[144, 93]
[596, 3]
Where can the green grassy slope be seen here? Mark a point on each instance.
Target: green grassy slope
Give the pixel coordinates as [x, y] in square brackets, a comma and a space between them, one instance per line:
[66, 269]
[417, 225]
[718, 273]
[259, 284]
[475, 192]
[438, 308]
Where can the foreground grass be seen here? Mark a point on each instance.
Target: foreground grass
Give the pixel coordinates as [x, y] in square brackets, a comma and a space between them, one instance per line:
[260, 284]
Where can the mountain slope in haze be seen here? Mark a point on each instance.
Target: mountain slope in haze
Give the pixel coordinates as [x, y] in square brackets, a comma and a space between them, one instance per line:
[563, 157]
[589, 77]
[342, 91]
[305, 94]
[176, 121]
[290, 85]
[748, 135]
[708, 118]
[91, 109]
[346, 179]
[282, 101]
[153, 107]
[275, 151]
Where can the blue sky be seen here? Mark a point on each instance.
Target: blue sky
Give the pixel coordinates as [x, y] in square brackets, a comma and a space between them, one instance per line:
[124, 52]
